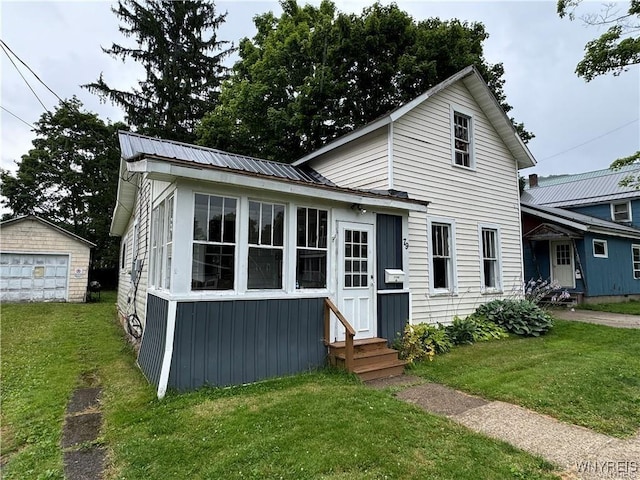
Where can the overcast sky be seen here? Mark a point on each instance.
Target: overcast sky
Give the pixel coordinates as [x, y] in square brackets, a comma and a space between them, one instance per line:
[579, 126]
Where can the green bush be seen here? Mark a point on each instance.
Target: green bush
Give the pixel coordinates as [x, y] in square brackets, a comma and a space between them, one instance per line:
[521, 317]
[474, 328]
[422, 341]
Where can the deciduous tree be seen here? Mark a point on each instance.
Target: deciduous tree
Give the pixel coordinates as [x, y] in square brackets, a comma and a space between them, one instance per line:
[314, 74]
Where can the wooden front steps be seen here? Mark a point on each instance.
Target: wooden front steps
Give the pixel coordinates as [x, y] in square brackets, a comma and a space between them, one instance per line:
[371, 358]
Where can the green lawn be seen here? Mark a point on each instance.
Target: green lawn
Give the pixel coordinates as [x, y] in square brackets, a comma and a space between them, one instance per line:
[317, 425]
[581, 373]
[629, 308]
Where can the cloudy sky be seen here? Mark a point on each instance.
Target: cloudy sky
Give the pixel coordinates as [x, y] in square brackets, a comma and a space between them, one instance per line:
[579, 126]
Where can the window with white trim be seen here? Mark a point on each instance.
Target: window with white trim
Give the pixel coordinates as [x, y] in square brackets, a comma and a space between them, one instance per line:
[214, 243]
[600, 249]
[490, 258]
[635, 254]
[311, 251]
[266, 245]
[161, 244]
[441, 257]
[621, 212]
[462, 129]
[123, 254]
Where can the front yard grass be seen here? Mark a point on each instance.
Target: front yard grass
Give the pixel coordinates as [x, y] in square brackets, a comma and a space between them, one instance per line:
[630, 308]
[317, 425]
[580, 373]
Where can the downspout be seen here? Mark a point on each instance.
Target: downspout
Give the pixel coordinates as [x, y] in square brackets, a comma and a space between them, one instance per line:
[390, 156]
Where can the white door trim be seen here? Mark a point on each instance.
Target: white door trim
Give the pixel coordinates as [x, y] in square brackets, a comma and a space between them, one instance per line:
[553, 260]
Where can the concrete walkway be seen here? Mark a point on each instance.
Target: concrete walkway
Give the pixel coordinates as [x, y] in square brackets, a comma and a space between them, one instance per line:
[579, 452]
[602, 318]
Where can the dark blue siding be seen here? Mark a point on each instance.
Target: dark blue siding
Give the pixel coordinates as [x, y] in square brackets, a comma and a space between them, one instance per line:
[612, 275]
[393, 315]
[153, 341]
[603, 211]
[388, 247]
[242, 341]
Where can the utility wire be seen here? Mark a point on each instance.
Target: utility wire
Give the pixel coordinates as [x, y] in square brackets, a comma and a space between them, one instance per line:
[4, 49]
[589, 141]
[16, 116]
[29, 68]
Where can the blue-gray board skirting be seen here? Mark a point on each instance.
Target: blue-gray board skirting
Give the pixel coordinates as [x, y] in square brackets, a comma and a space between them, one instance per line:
[241, 341]
[153, 342]
[393, 315]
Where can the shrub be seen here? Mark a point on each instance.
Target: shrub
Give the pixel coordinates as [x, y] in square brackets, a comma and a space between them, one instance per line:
[474, 328]
[521, 317]
[422, 341]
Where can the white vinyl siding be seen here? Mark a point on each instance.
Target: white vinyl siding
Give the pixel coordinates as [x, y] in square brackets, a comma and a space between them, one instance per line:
[486, 195]
[365, 159]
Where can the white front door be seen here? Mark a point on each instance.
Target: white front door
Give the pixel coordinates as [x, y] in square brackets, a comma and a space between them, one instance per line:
[356, 279]
[562, 269]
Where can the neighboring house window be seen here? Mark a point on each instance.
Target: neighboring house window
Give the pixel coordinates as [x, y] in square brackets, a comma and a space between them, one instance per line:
[462, 140]
[600, 249]
[311, 252]
[214, 243]
[490, 258]
[635, 251]
[442, 268]
[621, 212]
[266, 245]
[162, 244]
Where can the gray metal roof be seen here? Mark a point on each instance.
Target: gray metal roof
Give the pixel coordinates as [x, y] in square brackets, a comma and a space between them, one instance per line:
[569, 218]
[135, 146]
[582, 189]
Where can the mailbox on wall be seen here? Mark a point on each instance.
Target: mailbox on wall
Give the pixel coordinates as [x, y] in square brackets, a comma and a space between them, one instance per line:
[393, 275]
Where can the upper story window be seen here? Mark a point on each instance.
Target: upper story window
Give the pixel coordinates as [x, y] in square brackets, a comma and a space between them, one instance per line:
[621, 212]
[214, 243]
[311, 252]
[462, 139]
[490, 258]
[266, 245]
[600, 248]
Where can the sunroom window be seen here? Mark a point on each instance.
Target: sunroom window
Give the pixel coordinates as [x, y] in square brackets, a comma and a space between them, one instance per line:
[266, 245]
[214, 243]
[162, 244]
[311, 252]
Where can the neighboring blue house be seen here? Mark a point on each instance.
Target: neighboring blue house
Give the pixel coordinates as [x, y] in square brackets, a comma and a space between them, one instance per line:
[583, 231]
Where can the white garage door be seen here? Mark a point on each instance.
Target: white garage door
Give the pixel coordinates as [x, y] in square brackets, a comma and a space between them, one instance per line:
[27, 277]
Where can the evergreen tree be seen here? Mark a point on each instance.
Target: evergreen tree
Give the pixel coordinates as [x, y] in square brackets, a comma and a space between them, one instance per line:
[178, 47]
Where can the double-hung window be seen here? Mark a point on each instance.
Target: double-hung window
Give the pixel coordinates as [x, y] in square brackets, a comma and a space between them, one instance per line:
[266, 245]
[621, 212]
[490, 258]
[441, 257]
[462, 141]
[214, 243]
[635, 253]
[311, 252]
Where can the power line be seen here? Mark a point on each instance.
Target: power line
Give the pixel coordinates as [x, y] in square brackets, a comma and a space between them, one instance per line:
[589, 141]
[29, 68]
[25, 80]
[16, 116]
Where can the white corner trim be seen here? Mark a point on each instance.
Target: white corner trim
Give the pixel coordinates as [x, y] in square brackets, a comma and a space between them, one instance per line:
[168, 349]
[390, 156]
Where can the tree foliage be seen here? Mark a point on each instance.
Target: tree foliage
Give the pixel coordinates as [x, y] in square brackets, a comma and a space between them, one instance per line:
[617, 48]
[69, 176]
[314, 74]
[177, 44]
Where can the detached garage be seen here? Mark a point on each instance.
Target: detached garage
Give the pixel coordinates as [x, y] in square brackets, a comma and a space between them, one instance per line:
[41, 262]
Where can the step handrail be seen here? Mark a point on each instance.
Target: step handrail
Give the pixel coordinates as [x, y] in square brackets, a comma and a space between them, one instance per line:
[350, 332]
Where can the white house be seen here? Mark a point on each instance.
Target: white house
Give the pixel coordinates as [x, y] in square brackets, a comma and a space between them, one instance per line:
[228, 261]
